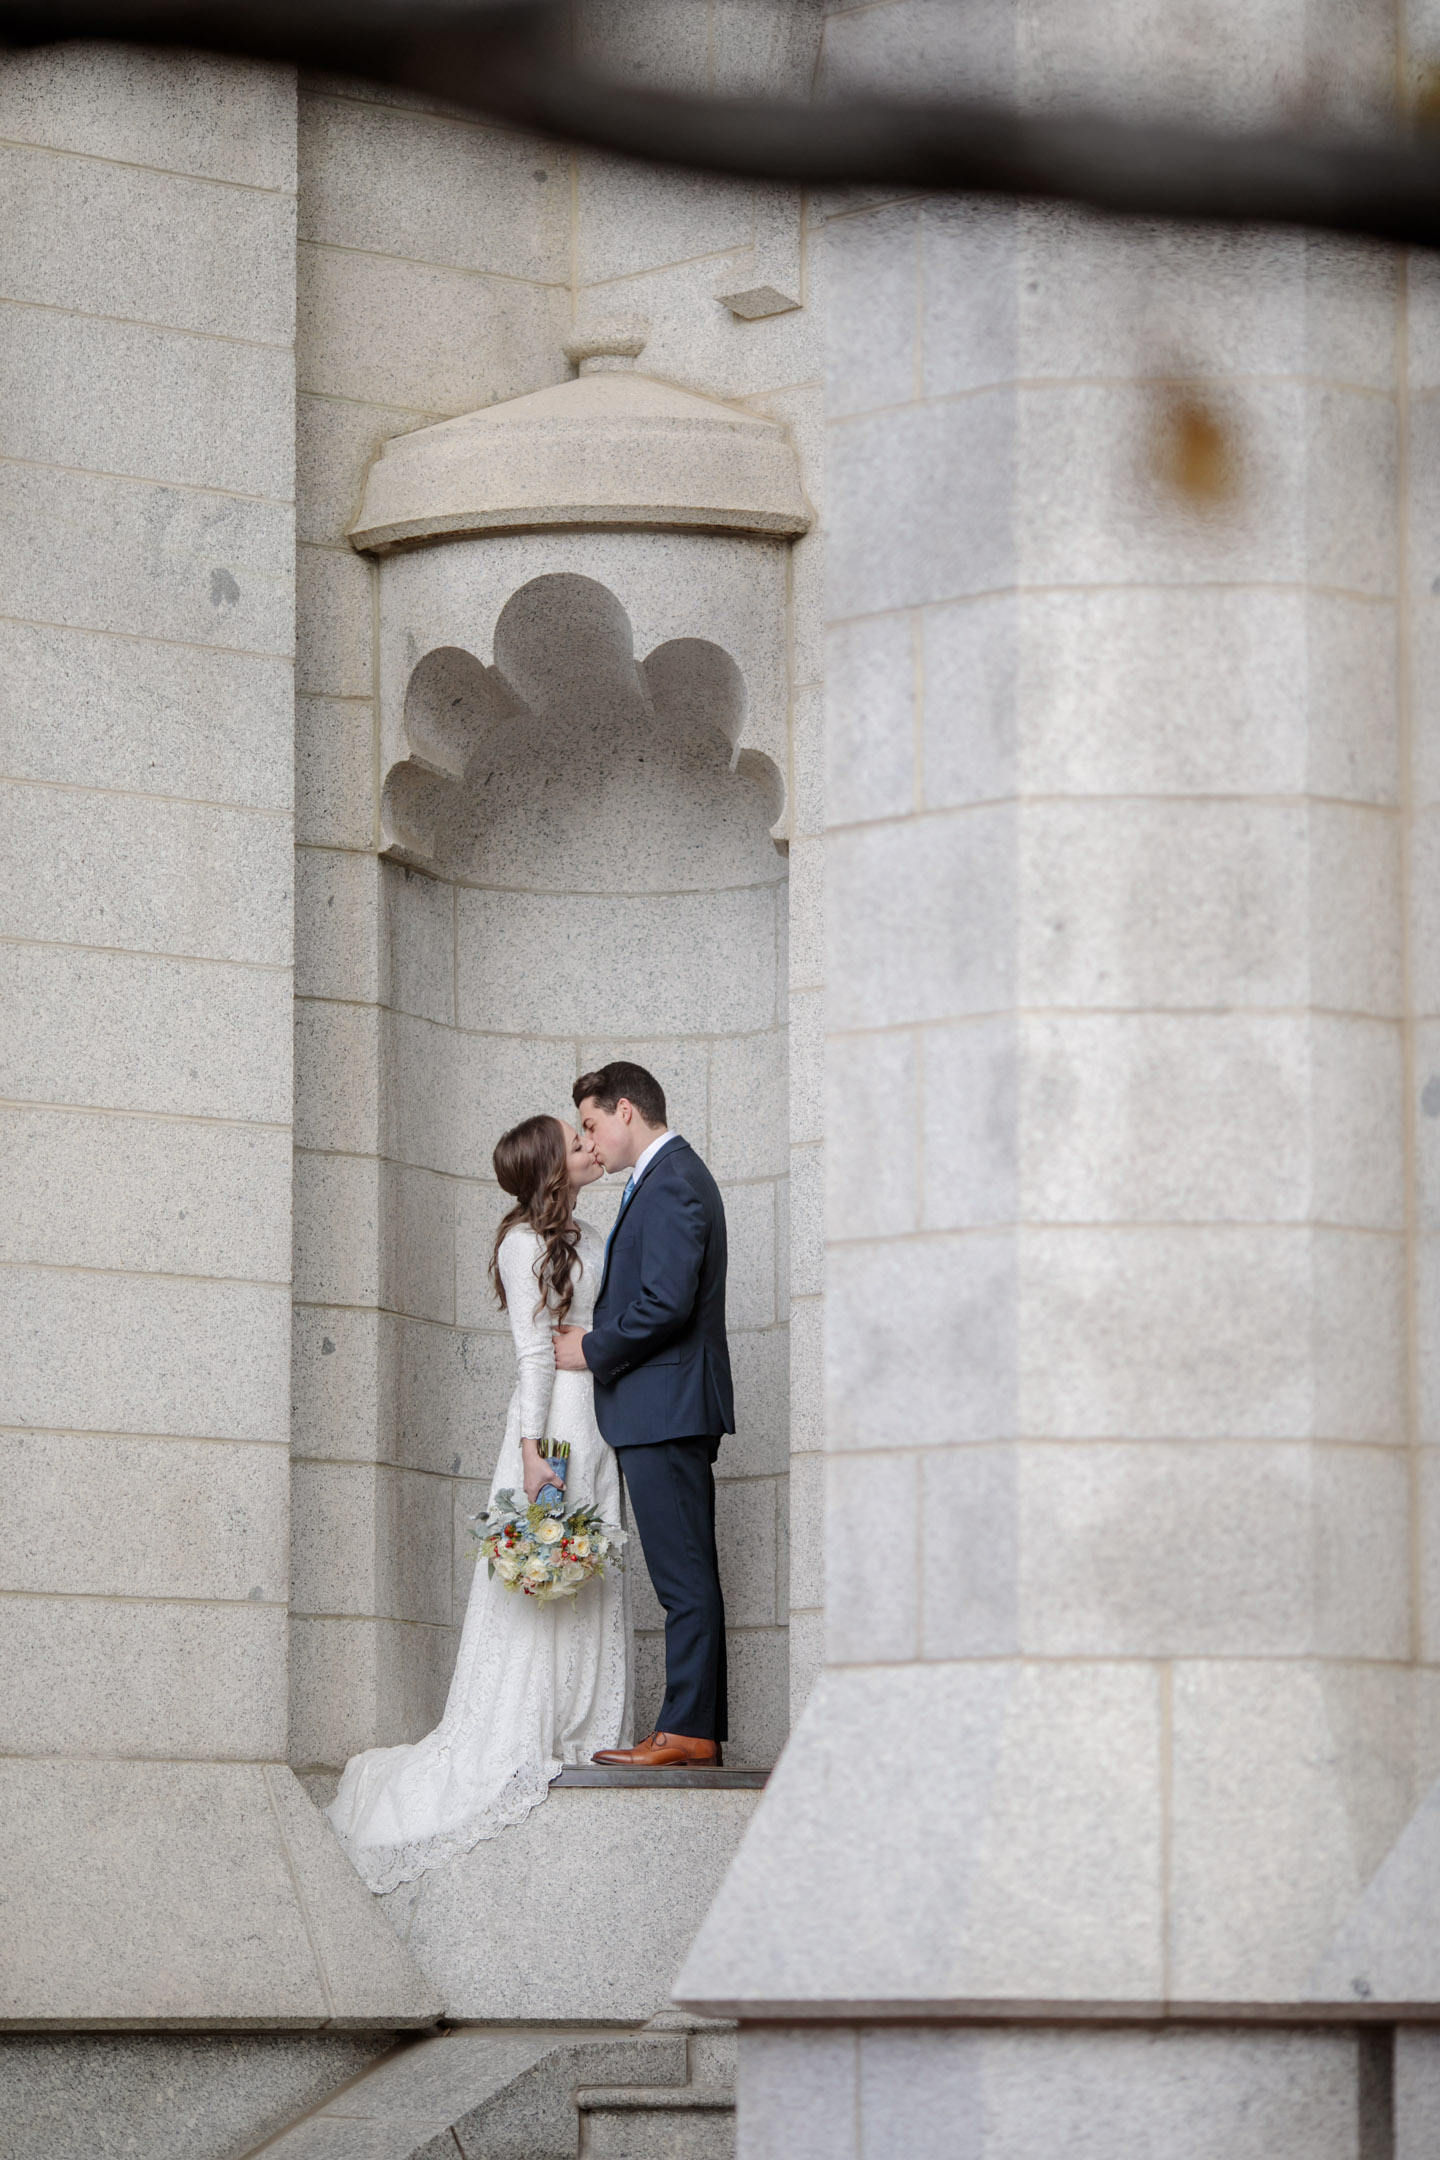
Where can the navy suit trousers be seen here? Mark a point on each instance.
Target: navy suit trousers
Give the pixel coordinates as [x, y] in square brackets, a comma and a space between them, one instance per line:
[672, 1497]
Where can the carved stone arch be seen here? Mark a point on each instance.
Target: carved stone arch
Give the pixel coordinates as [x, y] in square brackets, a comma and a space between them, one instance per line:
[563, 643]
[561, 636]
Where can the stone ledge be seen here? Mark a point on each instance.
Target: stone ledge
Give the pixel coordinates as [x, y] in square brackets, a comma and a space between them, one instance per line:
[1025, 2010]
[599, 1776]
[651, 2099]
[646, 1865]
[184, 1896]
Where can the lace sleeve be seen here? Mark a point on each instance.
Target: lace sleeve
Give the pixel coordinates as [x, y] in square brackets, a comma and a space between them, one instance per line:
[534, 1352]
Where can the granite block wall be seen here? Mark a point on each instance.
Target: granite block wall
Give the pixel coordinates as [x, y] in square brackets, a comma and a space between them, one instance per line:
[144, 717]
[171, 2096]
[161, 1867]
[1152, 1005]
[146, 460]
[1126, 956]
[1125, 800]
[873, 2093]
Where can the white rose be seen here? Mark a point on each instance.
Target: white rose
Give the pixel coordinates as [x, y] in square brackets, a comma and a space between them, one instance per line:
[550, 1531]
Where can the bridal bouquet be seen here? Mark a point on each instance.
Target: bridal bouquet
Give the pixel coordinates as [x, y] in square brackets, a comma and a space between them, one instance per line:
[541, 1550]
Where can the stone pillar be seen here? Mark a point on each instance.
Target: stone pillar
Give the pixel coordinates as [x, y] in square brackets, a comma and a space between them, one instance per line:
[162, 1866]
[1127, 1711]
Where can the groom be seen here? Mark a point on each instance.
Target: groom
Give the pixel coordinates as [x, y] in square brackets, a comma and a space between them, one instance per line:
[656, 1347]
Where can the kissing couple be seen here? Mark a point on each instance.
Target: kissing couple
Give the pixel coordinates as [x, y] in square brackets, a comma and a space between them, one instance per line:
[622, 1356]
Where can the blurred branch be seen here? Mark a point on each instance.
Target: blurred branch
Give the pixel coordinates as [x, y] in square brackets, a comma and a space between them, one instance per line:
[510, 59]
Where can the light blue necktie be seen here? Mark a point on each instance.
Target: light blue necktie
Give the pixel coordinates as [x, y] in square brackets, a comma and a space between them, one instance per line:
[624, 1203]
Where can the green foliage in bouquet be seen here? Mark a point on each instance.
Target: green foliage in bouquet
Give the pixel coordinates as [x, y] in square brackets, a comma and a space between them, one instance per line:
[542, 1551]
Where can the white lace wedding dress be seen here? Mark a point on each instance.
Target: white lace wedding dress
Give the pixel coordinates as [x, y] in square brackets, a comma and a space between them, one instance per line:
[535, 1686]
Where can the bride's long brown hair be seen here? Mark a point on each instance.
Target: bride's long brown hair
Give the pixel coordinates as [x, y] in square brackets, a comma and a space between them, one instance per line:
[530, 1163]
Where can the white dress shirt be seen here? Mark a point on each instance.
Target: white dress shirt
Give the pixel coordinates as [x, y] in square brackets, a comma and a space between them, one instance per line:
[650, 1153]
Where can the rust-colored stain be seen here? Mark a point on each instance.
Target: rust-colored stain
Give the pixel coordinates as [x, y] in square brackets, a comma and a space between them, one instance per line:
[1425, 97]
[1193, 453]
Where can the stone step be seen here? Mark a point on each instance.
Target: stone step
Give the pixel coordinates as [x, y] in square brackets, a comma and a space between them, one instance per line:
[478, 2092]
[665, 2091]
[648, 2122]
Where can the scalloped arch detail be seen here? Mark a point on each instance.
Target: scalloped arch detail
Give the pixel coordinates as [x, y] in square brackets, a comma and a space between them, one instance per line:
[563, 645]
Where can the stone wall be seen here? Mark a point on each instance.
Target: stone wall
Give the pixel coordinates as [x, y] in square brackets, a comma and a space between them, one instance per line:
[168, 2096]
[1130, 977]
[1129, 956]
[1188, 2093]
[161, 1865]
[145, 678]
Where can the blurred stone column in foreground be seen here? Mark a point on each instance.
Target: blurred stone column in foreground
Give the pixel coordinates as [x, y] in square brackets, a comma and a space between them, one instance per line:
[1126, 1715]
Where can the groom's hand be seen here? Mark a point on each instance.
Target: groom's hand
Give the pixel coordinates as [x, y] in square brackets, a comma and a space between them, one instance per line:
[569, 1357]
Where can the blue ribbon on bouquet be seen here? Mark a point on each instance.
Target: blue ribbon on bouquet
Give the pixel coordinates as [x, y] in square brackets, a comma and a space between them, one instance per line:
[557, 1455]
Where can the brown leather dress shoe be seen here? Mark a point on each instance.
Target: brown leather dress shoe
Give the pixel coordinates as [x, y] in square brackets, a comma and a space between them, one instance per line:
[664, 1751]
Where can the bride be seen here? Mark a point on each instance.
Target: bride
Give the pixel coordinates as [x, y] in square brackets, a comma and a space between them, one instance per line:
[536, 1685]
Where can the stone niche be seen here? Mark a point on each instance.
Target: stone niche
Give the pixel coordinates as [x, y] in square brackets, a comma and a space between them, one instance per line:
[584, 732]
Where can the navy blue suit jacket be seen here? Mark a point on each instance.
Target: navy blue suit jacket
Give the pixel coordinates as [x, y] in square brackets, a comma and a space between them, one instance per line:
[656, 1345]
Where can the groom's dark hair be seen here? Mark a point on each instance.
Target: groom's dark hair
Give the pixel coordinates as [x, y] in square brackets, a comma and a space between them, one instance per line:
[611, 1082]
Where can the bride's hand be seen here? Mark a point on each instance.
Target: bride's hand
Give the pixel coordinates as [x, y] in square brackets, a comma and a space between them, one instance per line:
[569, 1356]
[539, 1473]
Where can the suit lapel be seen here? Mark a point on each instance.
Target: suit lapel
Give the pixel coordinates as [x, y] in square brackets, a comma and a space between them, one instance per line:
[670, 1148]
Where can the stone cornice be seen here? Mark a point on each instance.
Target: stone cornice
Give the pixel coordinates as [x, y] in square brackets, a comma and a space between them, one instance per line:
[612, 449]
